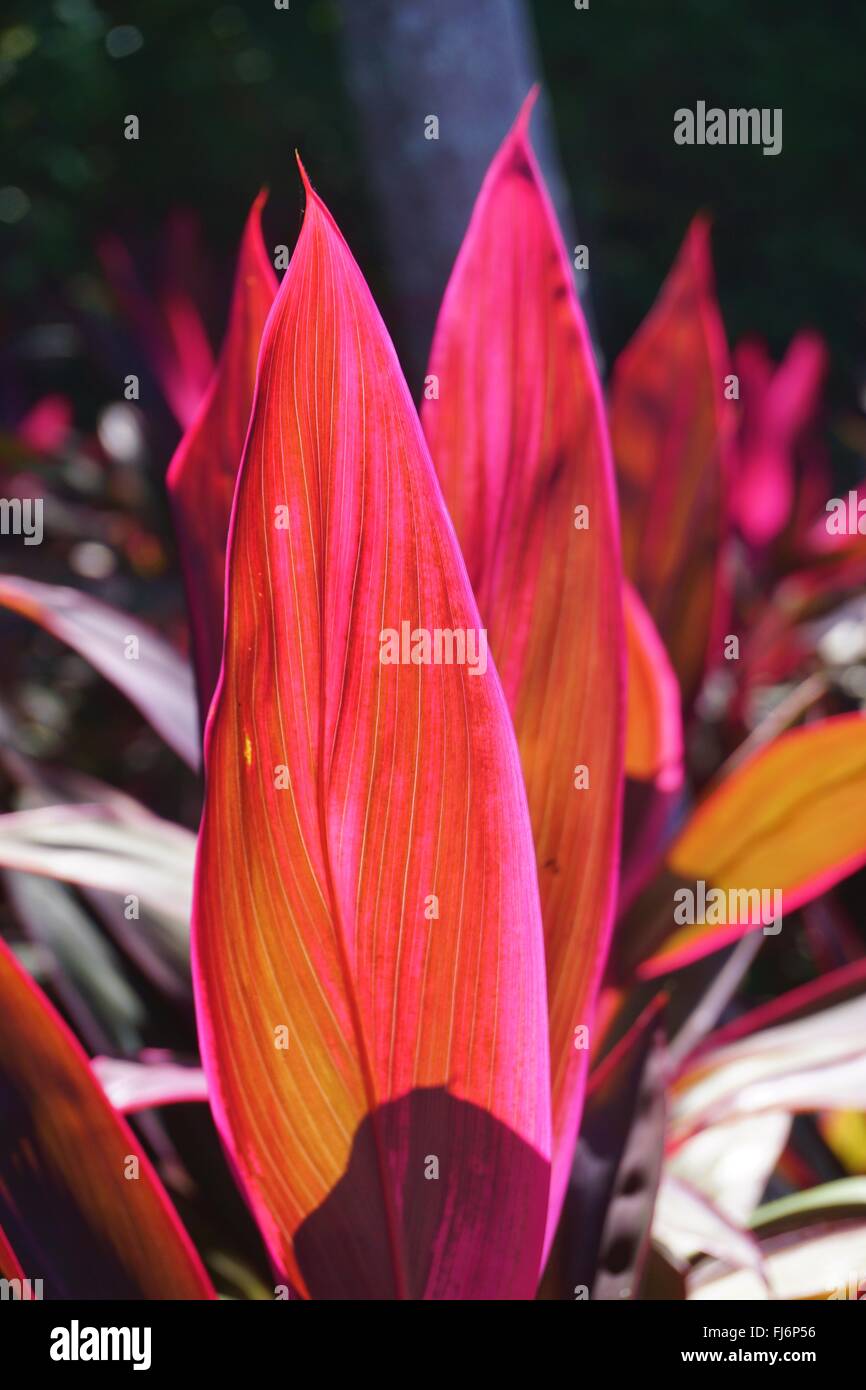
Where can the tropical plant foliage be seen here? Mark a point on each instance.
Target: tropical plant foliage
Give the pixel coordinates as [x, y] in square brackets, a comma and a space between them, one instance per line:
[429, 962]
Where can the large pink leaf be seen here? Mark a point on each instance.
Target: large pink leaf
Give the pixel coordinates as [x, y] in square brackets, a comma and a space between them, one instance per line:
[365, 889]
[518, 437]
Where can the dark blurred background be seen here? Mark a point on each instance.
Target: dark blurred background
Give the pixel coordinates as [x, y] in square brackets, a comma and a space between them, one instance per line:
[225, 92]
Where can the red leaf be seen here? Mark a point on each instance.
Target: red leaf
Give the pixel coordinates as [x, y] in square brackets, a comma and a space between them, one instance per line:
[670, 429]
[201, 476]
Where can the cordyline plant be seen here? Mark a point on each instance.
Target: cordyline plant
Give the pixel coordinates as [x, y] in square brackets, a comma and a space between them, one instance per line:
[432, 1075]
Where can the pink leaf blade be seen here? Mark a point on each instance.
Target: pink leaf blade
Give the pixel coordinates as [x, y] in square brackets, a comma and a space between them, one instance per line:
[519, 440]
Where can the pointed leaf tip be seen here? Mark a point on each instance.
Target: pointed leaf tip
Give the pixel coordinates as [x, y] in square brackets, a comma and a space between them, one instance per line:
[524, 115]
[670, 426]
[305, 180]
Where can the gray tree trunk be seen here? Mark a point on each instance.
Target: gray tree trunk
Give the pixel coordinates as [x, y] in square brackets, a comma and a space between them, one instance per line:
[469, 63]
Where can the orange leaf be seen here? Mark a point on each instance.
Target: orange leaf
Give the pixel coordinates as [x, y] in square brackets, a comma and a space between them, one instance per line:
[654, 732]
[367, 940]
[788, 821]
